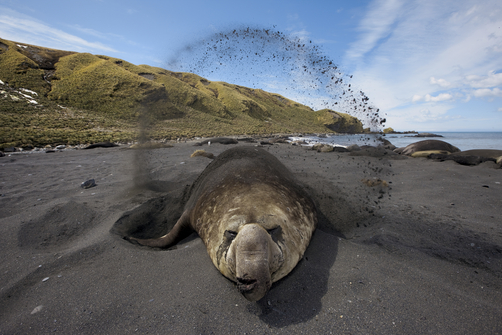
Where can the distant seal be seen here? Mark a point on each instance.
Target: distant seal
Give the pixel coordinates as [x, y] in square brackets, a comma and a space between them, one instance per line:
[221, 140]
[485, 153]
[471, 157]
[427, 145]
[427, 153]
[101, 145]
[254, 218]
[320, 147]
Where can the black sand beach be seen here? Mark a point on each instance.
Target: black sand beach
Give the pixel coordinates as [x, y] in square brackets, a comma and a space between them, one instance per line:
[404, 246]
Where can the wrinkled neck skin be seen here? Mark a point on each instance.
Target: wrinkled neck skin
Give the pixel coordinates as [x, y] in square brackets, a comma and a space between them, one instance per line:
[252, 258]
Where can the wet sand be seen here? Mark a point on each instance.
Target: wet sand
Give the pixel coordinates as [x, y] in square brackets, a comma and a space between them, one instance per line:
[418, 252]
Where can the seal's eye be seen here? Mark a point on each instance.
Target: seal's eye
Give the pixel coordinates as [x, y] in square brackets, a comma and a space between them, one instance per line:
[230, 235]
[273, 230]
[275, 233]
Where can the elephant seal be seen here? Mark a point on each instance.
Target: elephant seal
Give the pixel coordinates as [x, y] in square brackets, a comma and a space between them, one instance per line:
[485, 153]
[101, 145]
[254, 218]
[471, 157]
[427, 145]
[427, 153]
[221, 140]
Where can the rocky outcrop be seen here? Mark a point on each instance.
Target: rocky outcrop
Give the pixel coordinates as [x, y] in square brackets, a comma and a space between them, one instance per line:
[427, 135]
[340, 122]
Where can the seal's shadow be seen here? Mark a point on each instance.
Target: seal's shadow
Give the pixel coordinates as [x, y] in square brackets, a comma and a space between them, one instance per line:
[297, 297]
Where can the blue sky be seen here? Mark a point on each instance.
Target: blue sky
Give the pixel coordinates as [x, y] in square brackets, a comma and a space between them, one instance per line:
[428, 65]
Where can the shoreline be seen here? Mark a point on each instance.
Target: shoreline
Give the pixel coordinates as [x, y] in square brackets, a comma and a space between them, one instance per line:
[257, 138]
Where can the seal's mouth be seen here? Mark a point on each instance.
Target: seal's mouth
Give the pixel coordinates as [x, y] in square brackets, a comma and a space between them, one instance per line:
[246, 285]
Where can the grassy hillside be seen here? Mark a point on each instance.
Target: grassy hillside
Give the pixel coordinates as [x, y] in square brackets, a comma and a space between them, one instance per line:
[83, 98]
[340, 122]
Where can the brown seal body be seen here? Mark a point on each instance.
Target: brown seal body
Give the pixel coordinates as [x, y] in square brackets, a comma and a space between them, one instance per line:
[472, 157]
[427, 145]
[254, 218]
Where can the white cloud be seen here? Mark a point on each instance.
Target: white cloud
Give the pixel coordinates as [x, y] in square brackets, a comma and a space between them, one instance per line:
[89, 31]
[440, 97]
[417, 98]
[491, 80]
[430, 98]
[437, 52]
[427, 112]
[376, 25]
[500, 109]
[440, 82]
[19, 27]
[302, 35]
[486, 92]
[101, 35]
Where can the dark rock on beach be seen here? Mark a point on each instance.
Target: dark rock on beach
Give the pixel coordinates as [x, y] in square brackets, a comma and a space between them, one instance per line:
[426, 135]
[386, 144]
[353, 147]
[27, 147]
[88, 184]
[371, 151]
[9, 149]
[340, 149]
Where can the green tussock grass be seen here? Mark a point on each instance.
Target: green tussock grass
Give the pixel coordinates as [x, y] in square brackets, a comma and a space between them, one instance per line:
[92, 83]
[340, 122]
[19, 70]
[23, 124]
[109, 99]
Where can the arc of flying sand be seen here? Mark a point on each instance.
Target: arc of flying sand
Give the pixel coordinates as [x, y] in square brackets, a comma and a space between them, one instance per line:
[299, 63]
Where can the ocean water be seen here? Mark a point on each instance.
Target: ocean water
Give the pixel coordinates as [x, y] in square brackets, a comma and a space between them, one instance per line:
[462, 140]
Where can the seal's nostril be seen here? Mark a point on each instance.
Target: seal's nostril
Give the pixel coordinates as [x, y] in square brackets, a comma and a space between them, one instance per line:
[246, 285]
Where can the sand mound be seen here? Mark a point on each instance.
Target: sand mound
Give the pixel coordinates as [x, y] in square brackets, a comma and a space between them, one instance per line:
[57, 228]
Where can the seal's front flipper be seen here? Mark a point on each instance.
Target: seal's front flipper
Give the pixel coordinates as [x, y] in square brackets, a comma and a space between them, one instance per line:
[181, 230]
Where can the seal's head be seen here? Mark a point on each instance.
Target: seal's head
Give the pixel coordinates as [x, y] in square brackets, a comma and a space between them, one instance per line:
[253, 257]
